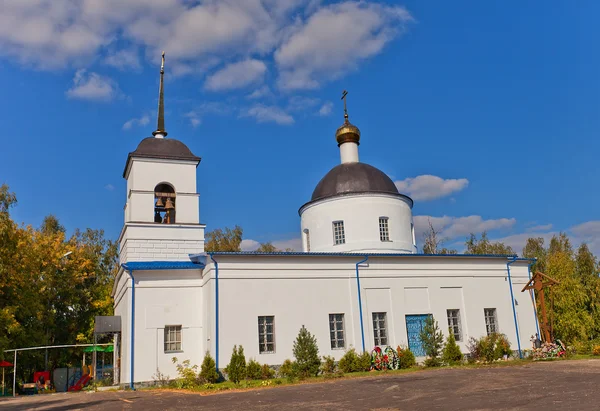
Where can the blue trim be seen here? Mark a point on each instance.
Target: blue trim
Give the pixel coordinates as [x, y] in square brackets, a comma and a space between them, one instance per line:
[216, 310]
[362, 327]
[532, 293]
[196, 257]
[512, 300]
[128, 270]
[162, 265]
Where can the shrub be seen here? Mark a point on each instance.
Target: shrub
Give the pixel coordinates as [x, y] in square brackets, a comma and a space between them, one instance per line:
[287, 370]
[502, 346]
[266, 372]
[452, 354]
[160, 379]
[208, 370]
[348, 363]
[596, 350]
[488, 348]
[306, 353]
[187, 374]
[236, 369]
[253, 370]
[364, 362]
[432, 339]
[406, 358]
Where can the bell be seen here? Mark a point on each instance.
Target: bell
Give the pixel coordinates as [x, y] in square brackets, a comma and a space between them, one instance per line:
[159, 202]
[169, 205]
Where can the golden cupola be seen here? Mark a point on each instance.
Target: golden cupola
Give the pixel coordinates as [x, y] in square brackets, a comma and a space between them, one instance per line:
[347, 132]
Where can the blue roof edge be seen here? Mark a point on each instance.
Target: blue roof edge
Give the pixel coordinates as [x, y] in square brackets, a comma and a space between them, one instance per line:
[162, 265]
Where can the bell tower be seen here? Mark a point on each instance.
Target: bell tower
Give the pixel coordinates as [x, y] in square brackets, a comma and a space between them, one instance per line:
[162, 219]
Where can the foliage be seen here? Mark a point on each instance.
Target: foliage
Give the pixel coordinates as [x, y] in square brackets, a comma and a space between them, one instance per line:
[306, 353]
[229, 239]
[484, 246]
[432, 339]
[353, 362]
[267, 248]
[47, 298]
[188, 374]
[596, 350]
[287, 370]
[160, 379]
[452, 354]
[489, 348]
[236, 369]
[267, 372]
[253, 370]
[329, 368]
[208, 370]
[406, 358]
[363, 362]
[502, 347]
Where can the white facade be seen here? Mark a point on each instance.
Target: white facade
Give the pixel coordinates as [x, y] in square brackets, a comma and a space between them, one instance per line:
[360, 214]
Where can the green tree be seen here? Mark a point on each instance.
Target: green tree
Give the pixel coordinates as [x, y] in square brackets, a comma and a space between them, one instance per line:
[534, 248]
[452, 354]
[236, 369]
[306, 353]
[484, 246]
[432, 340]
[208, 370]
[267, 248]
[229, 239]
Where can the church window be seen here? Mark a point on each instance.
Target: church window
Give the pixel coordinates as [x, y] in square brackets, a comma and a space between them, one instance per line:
[164, 204]
[266, 334]
[380, 329]
[339, 237]
[384, 231]
[491, 322]
[336, 331]
[172, 338]
[454, 323]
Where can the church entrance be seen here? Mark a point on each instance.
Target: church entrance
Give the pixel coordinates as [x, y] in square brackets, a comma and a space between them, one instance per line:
[414, 325]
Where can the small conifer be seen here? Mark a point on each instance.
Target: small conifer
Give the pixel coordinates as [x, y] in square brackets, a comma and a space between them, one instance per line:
[208, 370]
[306, 353]
[452, 354]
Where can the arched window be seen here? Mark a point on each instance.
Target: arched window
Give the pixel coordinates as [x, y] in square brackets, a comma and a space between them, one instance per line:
[164, 204]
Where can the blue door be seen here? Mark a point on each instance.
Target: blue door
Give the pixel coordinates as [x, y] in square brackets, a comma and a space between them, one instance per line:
[414, 325]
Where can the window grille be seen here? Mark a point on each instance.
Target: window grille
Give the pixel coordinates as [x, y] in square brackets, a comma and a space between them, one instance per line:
[380, 329]
[384, 232]
[491, 321]
[336, 331]
[266, 334]
[172, 338]
[339, 237]
[454, 324]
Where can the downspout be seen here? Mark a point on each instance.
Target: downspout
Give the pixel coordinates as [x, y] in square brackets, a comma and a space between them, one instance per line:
[362, 327]
[132, 351]
[532, 293]
[512, 300]
[216, 311]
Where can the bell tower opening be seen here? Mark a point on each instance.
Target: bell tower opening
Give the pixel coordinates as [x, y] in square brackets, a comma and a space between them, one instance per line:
[164, 204]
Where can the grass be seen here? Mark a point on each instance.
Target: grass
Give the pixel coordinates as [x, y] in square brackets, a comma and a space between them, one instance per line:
[207, 389]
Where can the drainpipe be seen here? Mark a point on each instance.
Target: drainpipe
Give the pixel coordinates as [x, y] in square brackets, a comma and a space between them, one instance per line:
[362, 327]
[532, 293]
[132, 351]
[216, 311]
[512, 300]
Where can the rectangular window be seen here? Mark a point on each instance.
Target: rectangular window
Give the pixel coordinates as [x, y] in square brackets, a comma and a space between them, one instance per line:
[384, 232]
[454, 323]
[336, 331]
[379, 329]
[172, 338]
[491, 322]
[339, 237]
[266, 334]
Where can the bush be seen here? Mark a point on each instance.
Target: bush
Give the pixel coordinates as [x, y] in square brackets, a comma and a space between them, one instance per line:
[488, 348]
[452, 354]
[287, 370]
[348, 363]
[596, 350]
[306, 353]
[187, 374]
[253, 370]
[236, 369]
[406, 358]
[208, 370]
[364, 362]
[502, 346]
[266, 372]
[432, 339]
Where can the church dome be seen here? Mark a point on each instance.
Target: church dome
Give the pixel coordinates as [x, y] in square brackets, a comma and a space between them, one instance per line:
[354, 178]
[162, 148]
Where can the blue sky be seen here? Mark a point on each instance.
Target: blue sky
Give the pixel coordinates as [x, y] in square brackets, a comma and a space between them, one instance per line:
[486, 113]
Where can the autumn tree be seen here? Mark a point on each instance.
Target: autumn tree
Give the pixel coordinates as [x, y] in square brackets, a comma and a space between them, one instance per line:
[267, 247]
[432, 242]
[229, 239]
[484, 246]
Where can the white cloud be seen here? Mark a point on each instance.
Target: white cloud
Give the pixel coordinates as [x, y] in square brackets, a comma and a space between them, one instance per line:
[293, 243]
[428, 187]
[210, 107]
[455, 227]
[140, 121]
[268, 114]
[543, 227]
[260, 92]
[249, 245]
[236, 75]
[301, 103]
[335, 39]
[124, 59]
[589, 230]
[326, 108]
[93, 86]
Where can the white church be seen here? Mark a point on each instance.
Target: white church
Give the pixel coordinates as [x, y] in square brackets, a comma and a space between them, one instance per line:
[359, 281]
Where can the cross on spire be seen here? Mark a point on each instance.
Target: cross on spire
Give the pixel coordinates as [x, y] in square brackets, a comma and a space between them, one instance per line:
[344, 94]
[160, 129]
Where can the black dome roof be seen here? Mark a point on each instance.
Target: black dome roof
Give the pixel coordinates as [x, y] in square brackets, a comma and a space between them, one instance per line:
[354, 178]
[165, 148]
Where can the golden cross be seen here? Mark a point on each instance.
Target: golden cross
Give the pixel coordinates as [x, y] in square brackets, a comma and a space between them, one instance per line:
[344, 94]
[162, 65]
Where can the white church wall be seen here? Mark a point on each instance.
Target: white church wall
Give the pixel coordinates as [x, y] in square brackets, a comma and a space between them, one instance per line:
[360, 214]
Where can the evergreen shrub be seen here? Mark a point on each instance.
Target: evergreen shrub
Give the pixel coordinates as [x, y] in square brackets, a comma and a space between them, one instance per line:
[306, 353]
[236, 369]
[433, 340]
[208, 370]
[253, 370]
[452, 354]
[267, 372]
[406, 358]
[287, 370]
